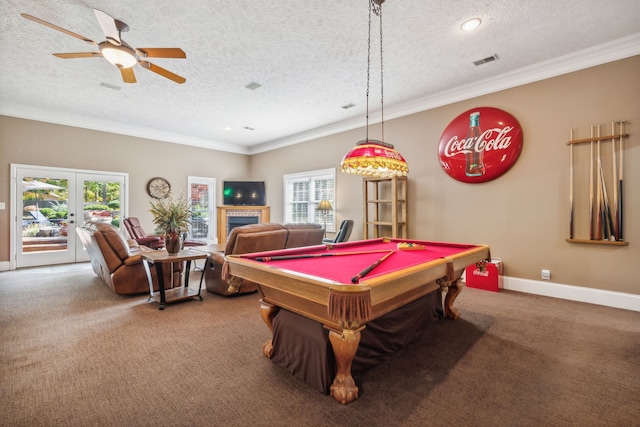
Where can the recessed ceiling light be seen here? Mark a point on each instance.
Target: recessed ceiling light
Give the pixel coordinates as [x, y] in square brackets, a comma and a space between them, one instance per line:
[470, 24]
[227, 128]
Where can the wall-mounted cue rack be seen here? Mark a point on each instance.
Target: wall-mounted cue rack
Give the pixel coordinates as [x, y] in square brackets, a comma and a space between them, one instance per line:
[596, 209]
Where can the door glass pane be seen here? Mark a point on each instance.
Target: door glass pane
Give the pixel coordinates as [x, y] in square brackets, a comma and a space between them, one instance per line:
[200, 203]
[101, 201]
[44, 214]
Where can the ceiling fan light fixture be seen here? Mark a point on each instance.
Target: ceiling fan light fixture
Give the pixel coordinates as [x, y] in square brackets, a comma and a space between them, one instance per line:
[121, 56]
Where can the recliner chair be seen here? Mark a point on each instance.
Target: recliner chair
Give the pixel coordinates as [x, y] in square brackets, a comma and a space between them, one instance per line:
[137, 233]
[346, 226]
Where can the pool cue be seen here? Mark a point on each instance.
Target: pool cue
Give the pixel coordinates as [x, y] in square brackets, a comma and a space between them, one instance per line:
[320, 255]
[610, 233]
[591, 207]
[614, 181]
[620, 186]
[598, 190]
[367, 270]
[571, 185]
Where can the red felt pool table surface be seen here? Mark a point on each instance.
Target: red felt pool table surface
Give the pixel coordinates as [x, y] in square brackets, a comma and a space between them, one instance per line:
[353, 257]
[305, 285]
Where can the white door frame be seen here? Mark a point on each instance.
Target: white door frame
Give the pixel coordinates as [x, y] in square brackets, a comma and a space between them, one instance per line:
[16, 205]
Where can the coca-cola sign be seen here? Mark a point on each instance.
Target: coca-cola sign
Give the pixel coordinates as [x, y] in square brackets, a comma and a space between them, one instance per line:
[480, 145]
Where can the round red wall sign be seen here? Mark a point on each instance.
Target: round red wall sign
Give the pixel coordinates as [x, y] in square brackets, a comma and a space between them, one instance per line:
[480, 145]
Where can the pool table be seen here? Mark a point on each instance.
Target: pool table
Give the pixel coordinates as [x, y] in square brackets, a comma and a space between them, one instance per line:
[345, 285]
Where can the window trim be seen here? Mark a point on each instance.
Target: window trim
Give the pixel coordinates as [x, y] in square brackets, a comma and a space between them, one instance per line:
[311, 176]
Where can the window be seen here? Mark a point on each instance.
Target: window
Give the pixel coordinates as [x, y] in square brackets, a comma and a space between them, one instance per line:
[202, 198]
[303, 192]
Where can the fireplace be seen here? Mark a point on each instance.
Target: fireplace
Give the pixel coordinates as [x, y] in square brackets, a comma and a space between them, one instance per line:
[239, 221]
[230, 217]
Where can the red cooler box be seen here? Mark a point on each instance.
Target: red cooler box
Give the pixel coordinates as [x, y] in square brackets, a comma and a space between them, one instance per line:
[490, 279]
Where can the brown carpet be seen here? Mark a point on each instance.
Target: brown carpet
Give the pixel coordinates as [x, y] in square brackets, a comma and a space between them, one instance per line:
[75, 354]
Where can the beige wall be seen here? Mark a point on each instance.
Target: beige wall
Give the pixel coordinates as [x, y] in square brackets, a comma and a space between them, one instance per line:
[522, 215]
[43, 144]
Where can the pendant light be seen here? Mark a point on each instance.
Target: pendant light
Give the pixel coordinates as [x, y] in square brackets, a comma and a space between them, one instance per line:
[371, 157]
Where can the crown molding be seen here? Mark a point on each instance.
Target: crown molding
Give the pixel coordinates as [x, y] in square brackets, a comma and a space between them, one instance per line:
[587, 58]
[32, 113]
[591, 57]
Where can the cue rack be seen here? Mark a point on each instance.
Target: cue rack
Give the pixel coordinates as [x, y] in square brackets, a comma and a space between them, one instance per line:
[599, 174]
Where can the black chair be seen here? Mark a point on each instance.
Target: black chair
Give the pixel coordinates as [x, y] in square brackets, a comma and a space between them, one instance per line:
[346, 226]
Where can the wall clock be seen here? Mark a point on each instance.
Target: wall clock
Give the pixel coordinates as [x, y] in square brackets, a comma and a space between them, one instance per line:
[158, 188]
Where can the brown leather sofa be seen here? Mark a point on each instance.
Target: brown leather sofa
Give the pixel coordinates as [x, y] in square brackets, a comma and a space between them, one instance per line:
[257, 238]
[118, 262]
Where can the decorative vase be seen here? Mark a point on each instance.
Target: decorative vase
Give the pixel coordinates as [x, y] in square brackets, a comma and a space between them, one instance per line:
[173, 243]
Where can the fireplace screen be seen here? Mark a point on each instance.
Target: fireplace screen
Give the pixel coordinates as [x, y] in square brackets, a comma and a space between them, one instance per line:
[238, 221]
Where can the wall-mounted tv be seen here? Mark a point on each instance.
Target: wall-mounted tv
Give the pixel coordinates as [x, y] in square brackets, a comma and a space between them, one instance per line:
[244, 193]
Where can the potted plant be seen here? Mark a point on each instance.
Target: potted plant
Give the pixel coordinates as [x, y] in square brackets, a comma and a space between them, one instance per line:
[171, 217]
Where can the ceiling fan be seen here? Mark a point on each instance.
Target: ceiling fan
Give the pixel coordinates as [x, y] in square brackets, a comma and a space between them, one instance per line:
[117, 51]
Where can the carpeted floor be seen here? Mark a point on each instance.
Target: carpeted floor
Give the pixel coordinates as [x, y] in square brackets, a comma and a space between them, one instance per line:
[75, 354]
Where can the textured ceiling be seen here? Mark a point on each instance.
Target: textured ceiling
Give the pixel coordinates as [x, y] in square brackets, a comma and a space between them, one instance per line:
[308, 55]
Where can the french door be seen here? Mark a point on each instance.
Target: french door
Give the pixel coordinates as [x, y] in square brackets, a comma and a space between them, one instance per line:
[49, 203]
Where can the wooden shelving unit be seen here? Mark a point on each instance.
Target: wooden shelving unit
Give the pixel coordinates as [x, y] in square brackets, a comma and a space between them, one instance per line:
[599, 188]
[385, 207]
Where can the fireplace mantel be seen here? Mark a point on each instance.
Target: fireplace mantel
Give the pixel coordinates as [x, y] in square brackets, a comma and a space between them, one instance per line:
[226, 211]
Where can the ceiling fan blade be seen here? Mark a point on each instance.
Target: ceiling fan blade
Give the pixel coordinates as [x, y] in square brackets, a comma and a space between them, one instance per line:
[77, 55]
[160, 52]
[109, 28]
[55, 27]
[161, 71]
[128, 75]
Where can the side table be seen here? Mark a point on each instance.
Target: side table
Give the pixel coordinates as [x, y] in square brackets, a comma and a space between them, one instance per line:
[160, 257]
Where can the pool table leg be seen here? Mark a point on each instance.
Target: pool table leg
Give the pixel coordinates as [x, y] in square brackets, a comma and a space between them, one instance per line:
[268, 312]
[345, 344]
[453, 289]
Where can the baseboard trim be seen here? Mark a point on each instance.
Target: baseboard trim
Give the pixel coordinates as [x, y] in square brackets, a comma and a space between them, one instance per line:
[4, 266]
[573, 293]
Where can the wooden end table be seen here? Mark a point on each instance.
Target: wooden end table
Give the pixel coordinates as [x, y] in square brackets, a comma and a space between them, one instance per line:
[160, 257]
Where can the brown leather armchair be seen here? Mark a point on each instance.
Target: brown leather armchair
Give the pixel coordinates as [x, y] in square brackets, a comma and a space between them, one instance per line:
[137, 233]
[118, 262]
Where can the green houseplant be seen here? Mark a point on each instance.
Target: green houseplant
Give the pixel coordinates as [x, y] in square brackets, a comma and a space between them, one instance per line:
[171, 217]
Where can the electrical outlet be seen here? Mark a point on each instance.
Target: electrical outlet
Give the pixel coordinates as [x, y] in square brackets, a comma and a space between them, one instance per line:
[545, 274]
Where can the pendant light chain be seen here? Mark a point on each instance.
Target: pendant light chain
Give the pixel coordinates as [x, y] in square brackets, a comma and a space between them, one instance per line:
[368, 68]
[381, 74]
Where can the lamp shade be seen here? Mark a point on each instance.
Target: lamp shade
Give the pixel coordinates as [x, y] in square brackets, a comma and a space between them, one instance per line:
[374, 158]
[324, 205]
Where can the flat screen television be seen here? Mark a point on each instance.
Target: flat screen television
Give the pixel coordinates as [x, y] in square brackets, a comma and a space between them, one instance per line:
[244, 193]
